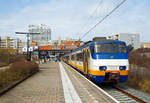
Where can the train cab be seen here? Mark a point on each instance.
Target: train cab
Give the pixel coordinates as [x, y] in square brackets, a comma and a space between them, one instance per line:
[109, 59]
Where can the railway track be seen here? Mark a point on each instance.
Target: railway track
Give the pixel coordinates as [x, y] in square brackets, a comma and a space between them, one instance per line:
[121, 95]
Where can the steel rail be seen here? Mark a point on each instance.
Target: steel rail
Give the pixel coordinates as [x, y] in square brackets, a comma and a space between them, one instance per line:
[130, 95]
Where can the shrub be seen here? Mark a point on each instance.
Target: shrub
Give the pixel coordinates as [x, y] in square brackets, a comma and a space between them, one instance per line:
[130, 47]
[7, 58]
[145, 85]
[17, 71]
[138, 57]
[140, 84]
[24, 67]
[4, 56]
[6, 77]
[16, 58]
[2, 64]
[139, 78]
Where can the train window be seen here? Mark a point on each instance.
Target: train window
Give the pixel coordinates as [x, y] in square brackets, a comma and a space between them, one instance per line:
[106, 48]
[79, 57]
[67, 57]
[72, 57]
[109, 48]
[123, 48]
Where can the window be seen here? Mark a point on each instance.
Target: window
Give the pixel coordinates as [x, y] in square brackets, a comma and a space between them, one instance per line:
[66, 58]
[73, 57]
[79, 56]
[123, 48]
[110, 48]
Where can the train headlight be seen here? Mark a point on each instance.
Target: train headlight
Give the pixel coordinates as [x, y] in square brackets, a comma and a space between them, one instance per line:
[122, 67]
[104, 68]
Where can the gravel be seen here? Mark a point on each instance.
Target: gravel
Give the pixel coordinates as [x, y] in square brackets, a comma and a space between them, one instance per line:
[141, 95]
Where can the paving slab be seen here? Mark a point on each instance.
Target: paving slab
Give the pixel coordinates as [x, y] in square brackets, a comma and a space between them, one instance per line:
[86, 91]
[43, 87]
[56, 82]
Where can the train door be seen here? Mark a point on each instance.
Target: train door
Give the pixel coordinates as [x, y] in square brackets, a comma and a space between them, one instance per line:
[75, 59]
[85, 62]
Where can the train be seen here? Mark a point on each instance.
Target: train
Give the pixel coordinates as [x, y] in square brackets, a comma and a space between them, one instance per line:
[101, 60]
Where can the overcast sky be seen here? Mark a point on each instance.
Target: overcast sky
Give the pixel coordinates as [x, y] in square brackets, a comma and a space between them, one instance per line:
[72, 18]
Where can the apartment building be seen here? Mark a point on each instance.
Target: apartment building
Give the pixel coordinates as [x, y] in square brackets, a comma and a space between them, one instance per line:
[9, 43]
[44, 35]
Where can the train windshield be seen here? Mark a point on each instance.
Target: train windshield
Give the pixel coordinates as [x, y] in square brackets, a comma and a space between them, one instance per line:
[110, 48]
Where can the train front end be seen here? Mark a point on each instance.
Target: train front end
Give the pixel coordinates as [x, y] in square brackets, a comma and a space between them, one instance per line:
[109, 61]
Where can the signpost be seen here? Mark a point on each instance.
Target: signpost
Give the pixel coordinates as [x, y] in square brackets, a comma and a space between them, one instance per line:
[28, 34]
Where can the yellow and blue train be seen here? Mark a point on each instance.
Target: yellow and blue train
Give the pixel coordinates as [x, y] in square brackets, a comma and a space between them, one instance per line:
[101, 61]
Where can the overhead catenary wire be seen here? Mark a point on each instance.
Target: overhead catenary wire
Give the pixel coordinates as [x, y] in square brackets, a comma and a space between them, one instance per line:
[91, 15]
[98, 6]
[102, 19]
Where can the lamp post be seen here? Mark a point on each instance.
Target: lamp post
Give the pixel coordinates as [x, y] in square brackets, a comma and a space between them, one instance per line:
[28, 34]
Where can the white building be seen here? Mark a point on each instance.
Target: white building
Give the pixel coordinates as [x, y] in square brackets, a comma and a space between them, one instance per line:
[129, 38]
[45, 34]
[10, 43]
[15, 43]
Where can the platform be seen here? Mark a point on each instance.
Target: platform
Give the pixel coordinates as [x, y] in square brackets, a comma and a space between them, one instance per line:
[56, 82]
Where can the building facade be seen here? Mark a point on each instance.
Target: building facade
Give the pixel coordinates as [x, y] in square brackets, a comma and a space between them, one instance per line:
[129, 38]
[9, 43]
[44, 35]
[145, 45]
